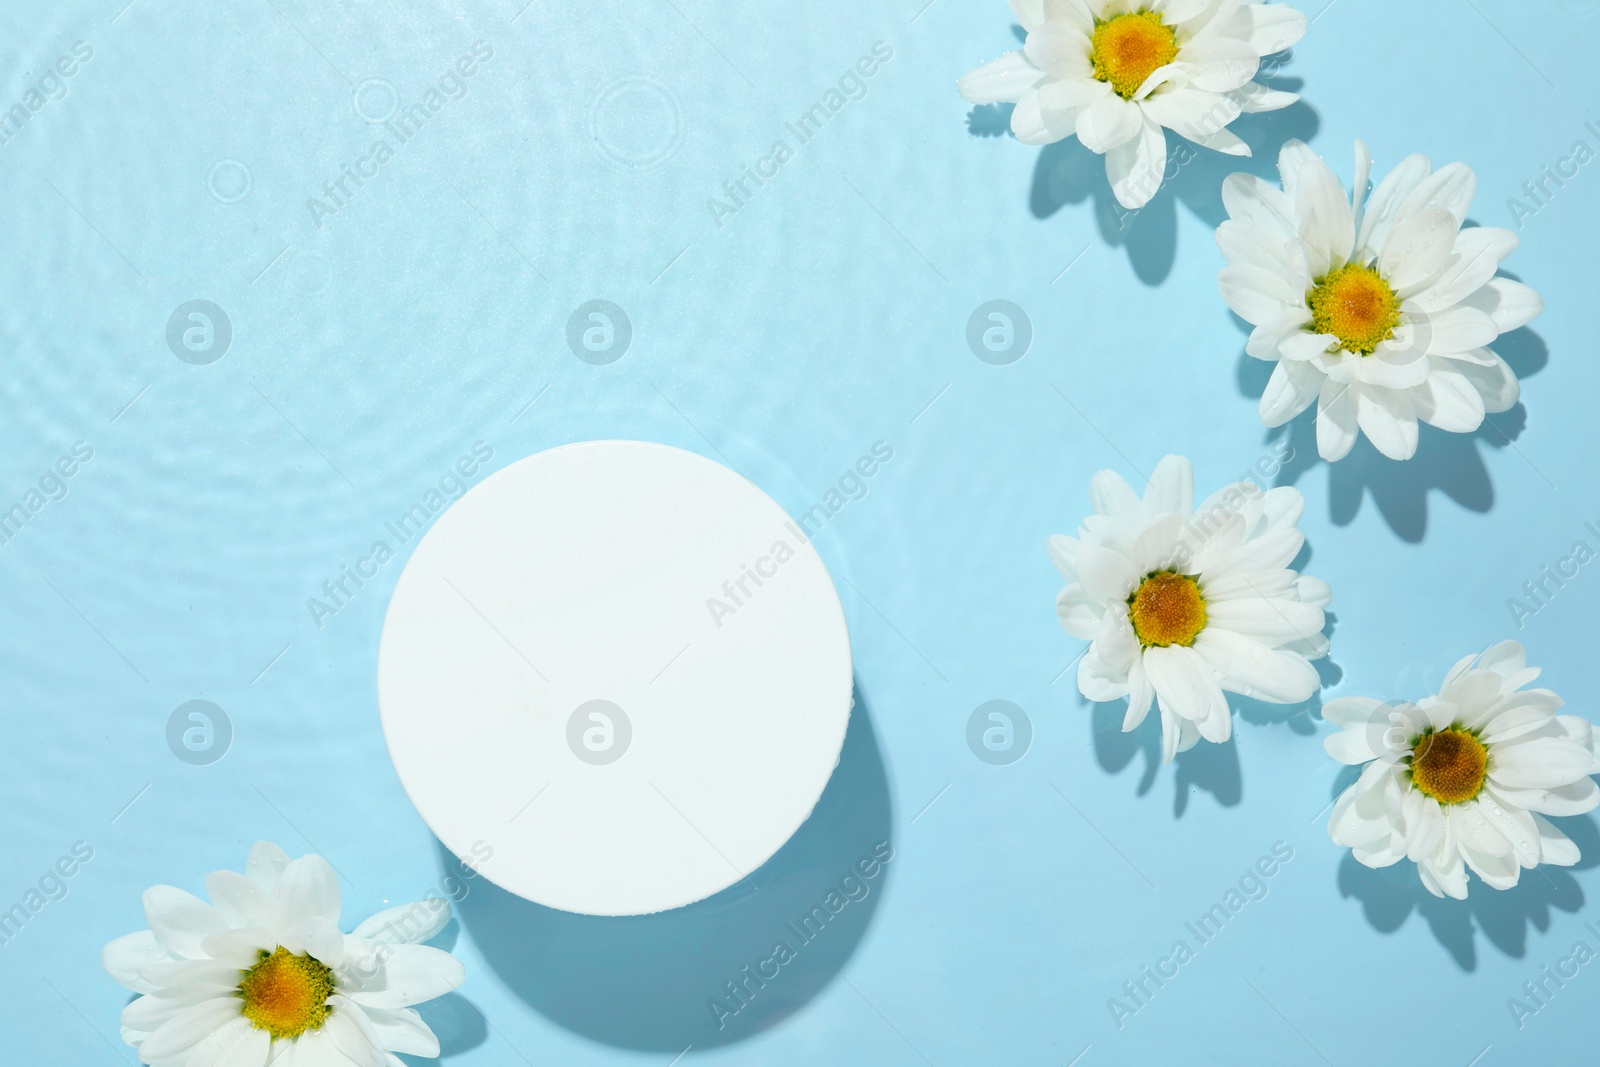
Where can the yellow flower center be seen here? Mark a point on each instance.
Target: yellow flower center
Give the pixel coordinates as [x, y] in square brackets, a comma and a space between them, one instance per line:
[1449, 765]
[1356, 305]
[1129, 48]
[285, 994]
[1167, 609]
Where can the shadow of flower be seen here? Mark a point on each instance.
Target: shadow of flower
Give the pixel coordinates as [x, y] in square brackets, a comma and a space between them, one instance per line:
[1069, 173]
[990, 120]
[1448, 463]
[1207, 767]
[1389, 895]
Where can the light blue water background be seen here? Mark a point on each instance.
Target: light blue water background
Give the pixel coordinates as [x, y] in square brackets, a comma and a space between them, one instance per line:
[375, 341]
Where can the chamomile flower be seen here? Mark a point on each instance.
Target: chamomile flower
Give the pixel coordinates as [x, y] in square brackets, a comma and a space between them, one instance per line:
[1117, 74]
[262, 975]
[1380, 310]
[1184, 604]
[1463, 780]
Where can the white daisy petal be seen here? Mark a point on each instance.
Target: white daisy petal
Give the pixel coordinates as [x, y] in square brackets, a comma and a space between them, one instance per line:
[1080, 613]
[1355, 711]
[1450, 187]
[1477, 255]
[1358, 190]
[1539, 763]
[406, 924]
[1171, 487]
[1497, 871]
[1060, 51]
[1513, 824]
[1194, 114]
[1309, 347]
[1336, 421]
[181, 1033]
[1251, 669]
[1030, 13]
[1105, 575]
[1186, 687]
[1313, 591]
[1574, 798]
[1218, 64]
[403, 1031]
[1256, 294]
[124, 959]
[1384, 204]
[1248, 246]
[1004, 80]
[265, 865]
[1135, 167]
[1449, 401]
[1508, 304]
[1032, 123]
[239, 900]
[1255, 97]
[1251, 201]
[1268, 339]
[1419, 249]
[411, 975]
[1100, 681]
[1271, 27]
[1272, 622]
[1174, 12]
[1108, 123]
[1494, 383]
[1459, 329]
[1063, 552]
[234, 1044]
[180, 920]
[1171, 735]
[1072, 13]
[1112, 496]
[1555, 847]
[1068, 98]
[1140, 695]
[1323, 216]
[308, 890]
[1389, 420]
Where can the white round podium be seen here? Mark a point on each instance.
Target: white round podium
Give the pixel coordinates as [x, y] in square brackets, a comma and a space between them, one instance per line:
[615, 677]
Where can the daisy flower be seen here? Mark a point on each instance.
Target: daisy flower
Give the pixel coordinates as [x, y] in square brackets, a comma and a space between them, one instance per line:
[1118, 74]
[1463, 780]
[262, 975]
[1381, 310]
[1184, 604]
